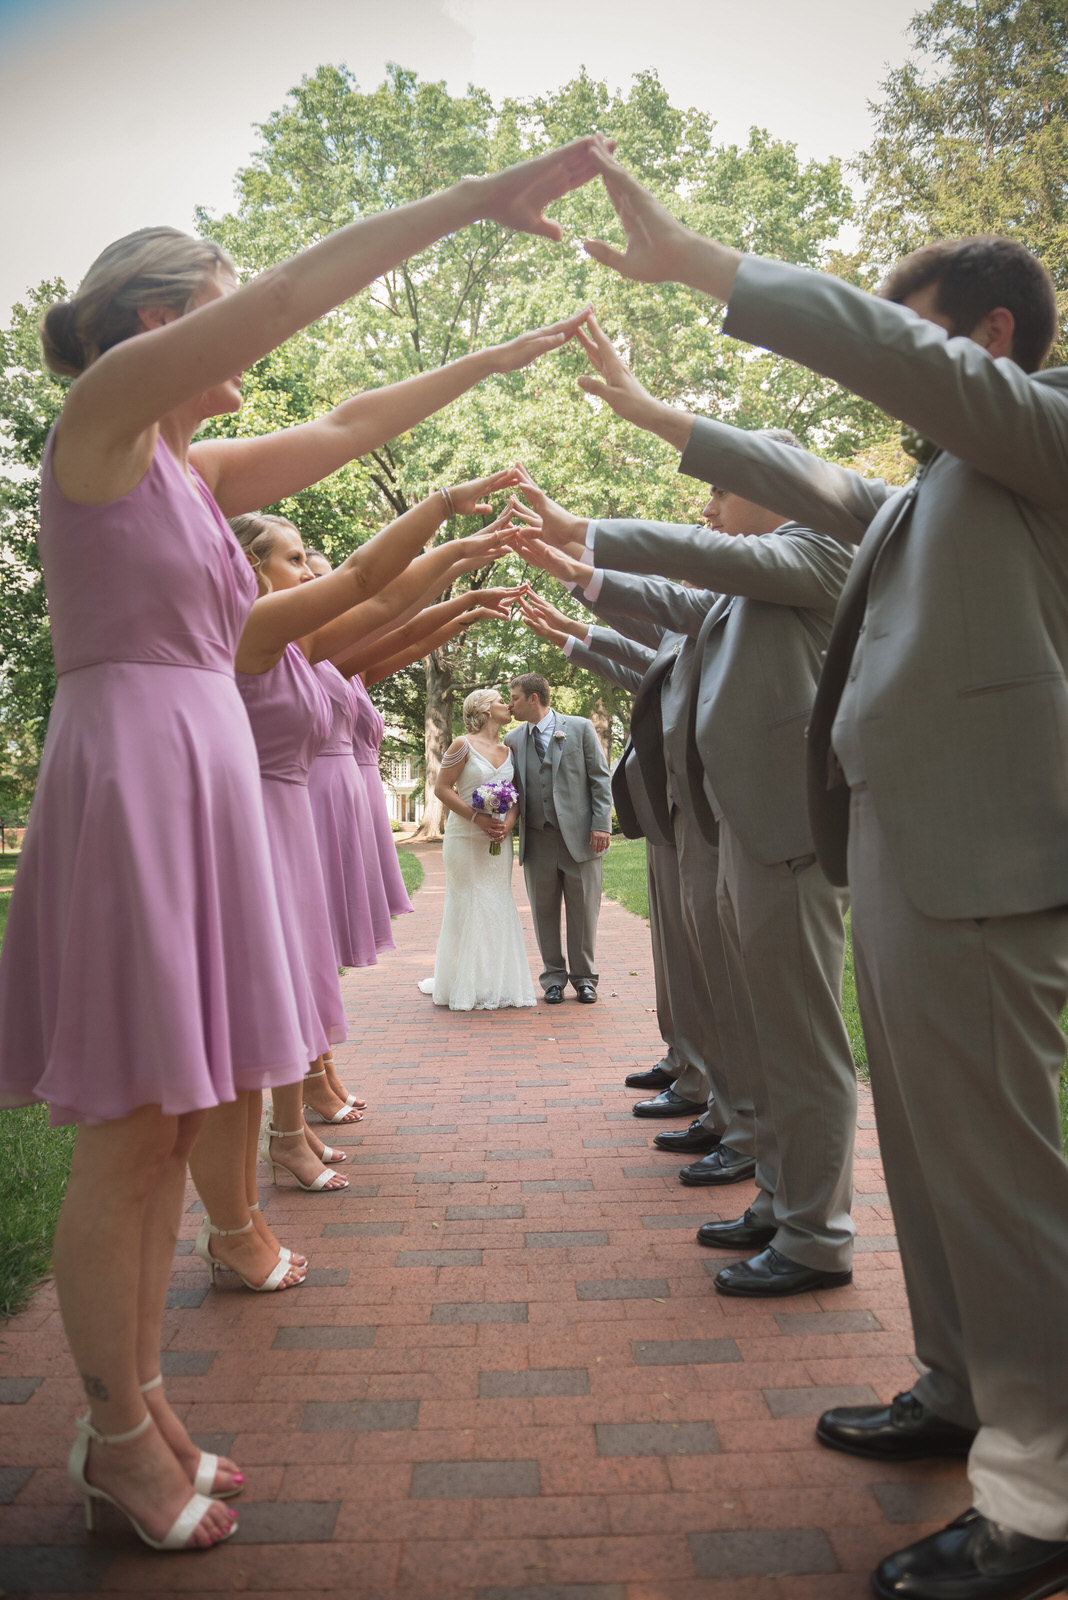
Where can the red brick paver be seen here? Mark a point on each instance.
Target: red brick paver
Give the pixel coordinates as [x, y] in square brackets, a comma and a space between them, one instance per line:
[508, 1376]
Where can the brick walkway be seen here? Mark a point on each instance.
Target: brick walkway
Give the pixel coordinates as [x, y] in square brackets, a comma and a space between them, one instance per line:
[508, 1376]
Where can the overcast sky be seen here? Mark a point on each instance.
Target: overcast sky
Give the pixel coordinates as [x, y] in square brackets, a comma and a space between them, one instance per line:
[114, 115]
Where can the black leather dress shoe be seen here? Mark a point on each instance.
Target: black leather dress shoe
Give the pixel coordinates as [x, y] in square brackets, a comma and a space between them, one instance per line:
[694, 1138]
[657, 1078]
[667, 1104]
[744, 1234]
[974, 1559]
[721, 1165]
[770, 1275]
[586, 992]
[554, 995]
[905, 1430]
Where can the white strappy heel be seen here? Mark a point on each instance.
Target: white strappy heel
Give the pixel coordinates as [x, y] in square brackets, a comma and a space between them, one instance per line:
[187, 1520]
[342, 1115]
[207, 1466]
[274, 1279]
[317, 1185]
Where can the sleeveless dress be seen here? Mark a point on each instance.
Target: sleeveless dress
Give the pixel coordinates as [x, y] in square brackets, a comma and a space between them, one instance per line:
[291, 717]
[144, 962]
[343, 828]
[389, 897]
[481, 961]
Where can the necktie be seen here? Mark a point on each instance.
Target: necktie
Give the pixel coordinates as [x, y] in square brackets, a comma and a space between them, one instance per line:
[540, 742]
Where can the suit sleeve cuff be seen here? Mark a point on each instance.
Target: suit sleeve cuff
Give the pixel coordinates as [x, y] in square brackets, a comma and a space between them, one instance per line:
[568, 644]
[595, 585]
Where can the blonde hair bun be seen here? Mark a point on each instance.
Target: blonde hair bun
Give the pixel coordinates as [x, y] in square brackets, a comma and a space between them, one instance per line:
[476, 709]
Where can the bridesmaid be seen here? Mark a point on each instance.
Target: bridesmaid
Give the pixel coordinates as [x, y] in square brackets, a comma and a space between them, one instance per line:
[145, 898]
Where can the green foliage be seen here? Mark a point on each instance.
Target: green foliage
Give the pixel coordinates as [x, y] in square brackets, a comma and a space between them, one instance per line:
[34, 1167]
[30, 398]
[972, 137]
[412, 870]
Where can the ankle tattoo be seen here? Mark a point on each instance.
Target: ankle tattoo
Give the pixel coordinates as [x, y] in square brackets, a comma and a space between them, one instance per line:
[95, 1388]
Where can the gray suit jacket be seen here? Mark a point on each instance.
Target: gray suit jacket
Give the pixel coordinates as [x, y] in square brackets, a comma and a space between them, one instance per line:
[963, 683]
[582, 793]
[635, 813]
[765, 622]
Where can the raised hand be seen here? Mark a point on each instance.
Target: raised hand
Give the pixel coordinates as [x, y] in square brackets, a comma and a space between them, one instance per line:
[615, 384]
[660, 249]
[469, 499]
[556, 562]
[528, 347]
[517, 197]
[536, 605]
[558, 527]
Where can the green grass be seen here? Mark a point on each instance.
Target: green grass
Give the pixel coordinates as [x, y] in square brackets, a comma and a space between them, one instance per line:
[34, 1166]
[624, 876]
[411, 870]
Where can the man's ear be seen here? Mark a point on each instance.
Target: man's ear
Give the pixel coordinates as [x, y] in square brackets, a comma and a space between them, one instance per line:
[995, 332]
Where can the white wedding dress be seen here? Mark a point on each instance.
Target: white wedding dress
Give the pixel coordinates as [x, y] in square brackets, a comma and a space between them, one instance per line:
[481, 962]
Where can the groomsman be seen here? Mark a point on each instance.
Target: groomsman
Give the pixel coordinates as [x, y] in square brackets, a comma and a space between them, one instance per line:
[758, 656]
[937, 776]
[565, 826]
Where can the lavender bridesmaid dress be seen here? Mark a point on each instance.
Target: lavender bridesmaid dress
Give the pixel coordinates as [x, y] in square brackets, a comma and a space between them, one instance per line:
[343, 827]
[391, 894]
[144, 961]
[290, 717]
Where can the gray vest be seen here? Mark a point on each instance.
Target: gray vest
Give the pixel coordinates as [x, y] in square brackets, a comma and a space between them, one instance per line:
[541, 812]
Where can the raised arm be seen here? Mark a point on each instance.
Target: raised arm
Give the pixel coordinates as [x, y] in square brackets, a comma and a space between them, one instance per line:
[419, 634]
[246, 473]
[309, 611]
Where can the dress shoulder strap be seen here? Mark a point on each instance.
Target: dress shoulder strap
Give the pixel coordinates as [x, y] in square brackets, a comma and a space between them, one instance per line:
[461, 753]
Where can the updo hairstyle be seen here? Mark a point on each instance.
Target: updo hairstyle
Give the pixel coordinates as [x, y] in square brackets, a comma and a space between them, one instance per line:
[152, 267]
[477, 709]
[257, 535]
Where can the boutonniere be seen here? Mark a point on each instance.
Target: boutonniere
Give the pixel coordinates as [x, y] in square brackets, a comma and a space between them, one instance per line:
[561, 736]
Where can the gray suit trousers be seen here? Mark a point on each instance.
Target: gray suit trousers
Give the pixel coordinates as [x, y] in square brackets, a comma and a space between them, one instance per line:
[553, 878]
[961, 1020]
[727, 1036]
[784, 923]
[683, 1006]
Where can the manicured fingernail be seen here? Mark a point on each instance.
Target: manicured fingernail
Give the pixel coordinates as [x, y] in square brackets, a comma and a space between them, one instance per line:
[239, 1477]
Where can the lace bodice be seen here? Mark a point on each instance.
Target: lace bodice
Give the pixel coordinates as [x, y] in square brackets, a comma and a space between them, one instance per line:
[476, 770]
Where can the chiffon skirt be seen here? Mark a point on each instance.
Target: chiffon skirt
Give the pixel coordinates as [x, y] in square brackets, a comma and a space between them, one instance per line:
[338, 804]
[144, 961]
[392, 897]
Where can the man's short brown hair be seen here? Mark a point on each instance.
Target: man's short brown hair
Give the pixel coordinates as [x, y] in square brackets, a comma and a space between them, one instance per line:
[975, 275]
[532, 683]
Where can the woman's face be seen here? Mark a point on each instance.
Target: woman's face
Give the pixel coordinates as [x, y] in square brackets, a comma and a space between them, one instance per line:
[499, 713]
[286, 566]
[319, 566]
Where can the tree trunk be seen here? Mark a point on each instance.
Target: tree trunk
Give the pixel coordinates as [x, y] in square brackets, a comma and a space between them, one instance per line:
[437, 738]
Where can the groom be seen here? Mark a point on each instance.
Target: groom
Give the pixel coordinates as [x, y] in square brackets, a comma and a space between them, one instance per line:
[565, 820]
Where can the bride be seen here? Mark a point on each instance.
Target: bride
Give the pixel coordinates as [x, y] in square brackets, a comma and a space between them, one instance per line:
[481, 963]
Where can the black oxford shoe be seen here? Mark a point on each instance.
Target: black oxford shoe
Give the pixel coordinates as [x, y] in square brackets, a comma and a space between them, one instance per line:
[905, 1430]
[554, 995]
[667, 1104]
[744, 1234]
[721, 1165]
[974, 1559]
[689, 1140]
[770, 1275]
[586, 993]
[658, 1078]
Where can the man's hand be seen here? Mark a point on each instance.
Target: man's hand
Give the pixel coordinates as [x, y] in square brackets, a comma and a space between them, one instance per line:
[537, 606]
[558, 527]
[599, 842]
[555, 562]
[528, 347]
[659, 248]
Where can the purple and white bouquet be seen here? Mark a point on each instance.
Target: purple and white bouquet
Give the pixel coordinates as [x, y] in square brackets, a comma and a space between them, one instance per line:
[496, 799]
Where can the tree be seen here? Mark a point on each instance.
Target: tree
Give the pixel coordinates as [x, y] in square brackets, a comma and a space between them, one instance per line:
[972, 137]
[333, 153]
[30, 398]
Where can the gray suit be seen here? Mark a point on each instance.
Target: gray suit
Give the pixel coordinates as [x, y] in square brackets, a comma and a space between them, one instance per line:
[683, 1004]
[758, 652]
[950, 717]
[562, 799]
[722, 1072]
